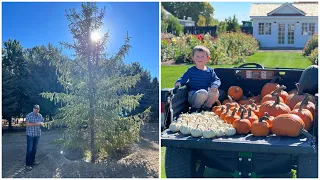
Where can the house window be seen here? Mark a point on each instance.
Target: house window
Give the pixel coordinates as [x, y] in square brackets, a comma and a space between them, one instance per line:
[304, 29]
[261, 28]
[268, 28]
[311, 28]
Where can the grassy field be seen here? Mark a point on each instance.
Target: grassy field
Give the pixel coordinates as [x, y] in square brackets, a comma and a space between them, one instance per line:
[169, 74]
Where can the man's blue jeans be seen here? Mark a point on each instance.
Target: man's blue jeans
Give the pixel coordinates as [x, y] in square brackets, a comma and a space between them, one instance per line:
[32, 143]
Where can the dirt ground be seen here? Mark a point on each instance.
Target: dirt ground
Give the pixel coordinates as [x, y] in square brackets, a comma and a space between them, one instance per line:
[142, 161]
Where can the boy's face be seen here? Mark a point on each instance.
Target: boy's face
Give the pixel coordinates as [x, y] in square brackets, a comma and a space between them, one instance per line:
[200, 58]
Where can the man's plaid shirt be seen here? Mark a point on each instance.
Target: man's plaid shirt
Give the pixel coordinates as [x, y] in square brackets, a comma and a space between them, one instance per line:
[34, 130]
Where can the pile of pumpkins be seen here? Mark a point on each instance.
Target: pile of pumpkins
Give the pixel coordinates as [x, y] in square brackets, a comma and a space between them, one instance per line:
[205, 124]
[274, 110]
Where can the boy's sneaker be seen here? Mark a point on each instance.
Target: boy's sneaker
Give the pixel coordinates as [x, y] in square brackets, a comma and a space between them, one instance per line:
[206, 109]
[194, 110]
[28, 168]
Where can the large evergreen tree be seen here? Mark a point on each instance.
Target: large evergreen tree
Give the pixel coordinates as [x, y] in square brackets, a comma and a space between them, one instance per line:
[149, 88]
[14, 82]
[43, 77]
[96, 89]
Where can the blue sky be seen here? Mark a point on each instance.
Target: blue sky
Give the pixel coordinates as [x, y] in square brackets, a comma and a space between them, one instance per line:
[224, 10]
[40, 23]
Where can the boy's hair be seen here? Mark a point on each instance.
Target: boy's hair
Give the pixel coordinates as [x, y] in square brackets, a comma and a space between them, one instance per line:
[201, 49]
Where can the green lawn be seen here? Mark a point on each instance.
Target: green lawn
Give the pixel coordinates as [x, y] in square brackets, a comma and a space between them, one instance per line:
[169, 74]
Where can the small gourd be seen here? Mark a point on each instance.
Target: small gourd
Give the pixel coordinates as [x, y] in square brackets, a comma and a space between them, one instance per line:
[219, 132]
[174, 127]
[185, 129]
[209, 133]
[230, 131]
[197, 132]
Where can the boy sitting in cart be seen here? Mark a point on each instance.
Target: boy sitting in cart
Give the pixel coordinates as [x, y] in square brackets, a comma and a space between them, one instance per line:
[202, 80]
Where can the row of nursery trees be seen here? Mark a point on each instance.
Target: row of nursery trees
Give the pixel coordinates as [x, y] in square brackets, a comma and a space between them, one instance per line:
[100, 100]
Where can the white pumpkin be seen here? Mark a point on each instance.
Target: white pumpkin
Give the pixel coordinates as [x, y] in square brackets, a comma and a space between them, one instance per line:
[230, 131]
[174, 127]
[209, 133]
[185, 129]
[197, 131]
[219, 132]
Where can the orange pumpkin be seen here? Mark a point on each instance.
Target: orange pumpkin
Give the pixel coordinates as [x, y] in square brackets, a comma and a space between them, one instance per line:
[304, 114]
[242, 125]
[260, 127]
[256, 99]
[274, 108]
[235, 92]
[272, 97]
[231, 117]
[228, 100]
[295, 98]
[216, 107]
[233, 104]
[283, 94]
[307, 105]
[255, 109]
[269, 87]
[242, 108]
[223, 114]
[220, 111]
[288, 125]
[251, 116]
[270, 119]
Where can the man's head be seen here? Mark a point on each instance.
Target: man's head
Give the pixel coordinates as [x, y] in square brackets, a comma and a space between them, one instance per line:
[36, 108]
[200, 55]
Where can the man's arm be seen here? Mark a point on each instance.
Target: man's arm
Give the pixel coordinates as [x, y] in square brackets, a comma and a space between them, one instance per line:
[31, 124]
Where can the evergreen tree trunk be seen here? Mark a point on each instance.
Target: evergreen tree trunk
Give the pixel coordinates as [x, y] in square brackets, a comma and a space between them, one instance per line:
[91, 111]
[10, 122]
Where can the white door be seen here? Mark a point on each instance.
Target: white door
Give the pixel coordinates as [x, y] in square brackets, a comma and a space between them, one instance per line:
[281, 34]
[290, 35]
[286, 35]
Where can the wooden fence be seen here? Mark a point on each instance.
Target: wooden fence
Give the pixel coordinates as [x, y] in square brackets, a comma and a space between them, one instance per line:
[212, 30]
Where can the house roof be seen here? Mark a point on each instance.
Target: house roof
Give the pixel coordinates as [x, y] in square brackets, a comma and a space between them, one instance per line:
[262, 9]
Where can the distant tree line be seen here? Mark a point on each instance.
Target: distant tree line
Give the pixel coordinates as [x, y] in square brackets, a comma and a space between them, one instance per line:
[27, 72]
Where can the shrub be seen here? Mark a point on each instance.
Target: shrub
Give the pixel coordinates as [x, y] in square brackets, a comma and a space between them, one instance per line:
[174, 26]
[236, 45]
[314, 56]
[228, 48]
[310, 45]
[167, 51]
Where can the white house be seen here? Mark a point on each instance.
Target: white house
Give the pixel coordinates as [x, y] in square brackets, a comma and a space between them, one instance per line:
[288, 25]
[187, 21]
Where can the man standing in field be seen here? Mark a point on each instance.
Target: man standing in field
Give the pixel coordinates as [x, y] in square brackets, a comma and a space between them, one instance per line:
[34, 121]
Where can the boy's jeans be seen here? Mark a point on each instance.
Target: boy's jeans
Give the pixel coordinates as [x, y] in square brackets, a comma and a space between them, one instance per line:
[202, 98]
[32, 143]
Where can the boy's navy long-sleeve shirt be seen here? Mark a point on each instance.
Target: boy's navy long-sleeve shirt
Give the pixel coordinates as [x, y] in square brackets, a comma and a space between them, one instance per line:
[200, 79]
